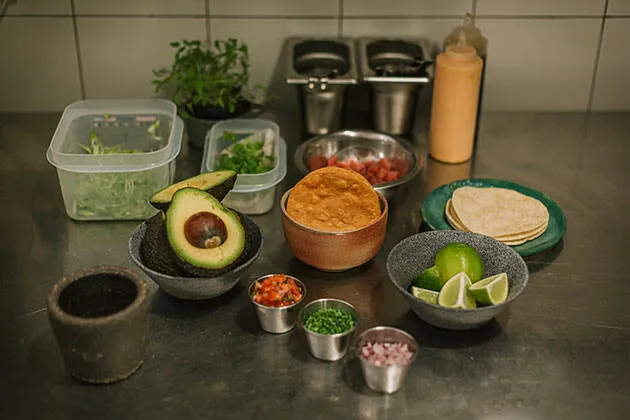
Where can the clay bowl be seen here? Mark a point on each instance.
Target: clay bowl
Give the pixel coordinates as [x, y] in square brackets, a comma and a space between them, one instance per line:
[334, 251]
[417, 252]
[199, 288]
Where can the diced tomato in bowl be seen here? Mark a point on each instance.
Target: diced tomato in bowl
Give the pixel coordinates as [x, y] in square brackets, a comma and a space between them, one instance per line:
[375, 171]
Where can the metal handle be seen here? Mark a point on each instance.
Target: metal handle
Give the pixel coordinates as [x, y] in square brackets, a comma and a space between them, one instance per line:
[305, 80]
[395, 79]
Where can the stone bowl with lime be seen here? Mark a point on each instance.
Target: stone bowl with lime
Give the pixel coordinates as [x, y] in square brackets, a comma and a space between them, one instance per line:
[456, 280]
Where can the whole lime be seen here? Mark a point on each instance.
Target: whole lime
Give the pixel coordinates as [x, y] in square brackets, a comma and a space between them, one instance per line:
[457, 257]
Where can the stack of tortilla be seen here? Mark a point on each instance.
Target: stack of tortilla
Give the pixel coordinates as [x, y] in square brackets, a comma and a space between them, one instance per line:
[506, 215]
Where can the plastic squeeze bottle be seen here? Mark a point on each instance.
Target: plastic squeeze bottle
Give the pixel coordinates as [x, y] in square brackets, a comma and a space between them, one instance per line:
[475, 38]
[455, 102]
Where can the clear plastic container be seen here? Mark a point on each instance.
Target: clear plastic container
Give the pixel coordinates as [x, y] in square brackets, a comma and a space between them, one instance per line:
[252, 193]
[112, 155]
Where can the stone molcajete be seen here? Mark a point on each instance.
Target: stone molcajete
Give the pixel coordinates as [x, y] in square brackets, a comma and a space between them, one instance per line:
[100, 317]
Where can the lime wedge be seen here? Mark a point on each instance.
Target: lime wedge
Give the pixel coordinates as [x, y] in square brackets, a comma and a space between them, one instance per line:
[455, 294]
[492, 290]
[424, 294]
[456, 257]
[429, 279]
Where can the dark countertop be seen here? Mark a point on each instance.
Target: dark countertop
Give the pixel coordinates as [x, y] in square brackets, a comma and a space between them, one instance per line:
[561, 351]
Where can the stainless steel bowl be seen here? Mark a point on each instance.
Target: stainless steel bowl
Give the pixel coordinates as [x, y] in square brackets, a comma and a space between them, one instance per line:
[277, 320]
[387, 379]
[328, 347]
[362, 145]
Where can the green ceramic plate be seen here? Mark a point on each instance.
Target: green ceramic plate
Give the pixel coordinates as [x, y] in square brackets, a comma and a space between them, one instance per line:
[433, 212]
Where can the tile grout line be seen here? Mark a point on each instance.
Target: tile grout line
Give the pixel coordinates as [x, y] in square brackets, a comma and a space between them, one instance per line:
[193, 16]
[314, 17]
[77, 47]
[535, 17]
[340, 20]
[591, 95]
[598, 52]
[207, 22]
[3, 10]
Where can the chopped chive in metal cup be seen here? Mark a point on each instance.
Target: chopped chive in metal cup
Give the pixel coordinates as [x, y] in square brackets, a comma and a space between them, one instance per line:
[329, 325]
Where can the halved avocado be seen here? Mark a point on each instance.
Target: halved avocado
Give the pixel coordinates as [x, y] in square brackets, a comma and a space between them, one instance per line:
[156, 251]
[204, 235]
[217, 183]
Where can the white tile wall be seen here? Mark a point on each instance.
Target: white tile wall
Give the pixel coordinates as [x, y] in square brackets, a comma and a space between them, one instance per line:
[39, 70]
[541, 54]
[618, 7]
[274, 7]
[265, 38]
[540, 7]
[406, 7]
[39, 7]
[119, 55]
[612, 87]
[140, 7]
[539, 64]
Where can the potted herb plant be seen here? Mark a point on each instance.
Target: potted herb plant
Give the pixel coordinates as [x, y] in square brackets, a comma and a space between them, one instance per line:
[209, 82]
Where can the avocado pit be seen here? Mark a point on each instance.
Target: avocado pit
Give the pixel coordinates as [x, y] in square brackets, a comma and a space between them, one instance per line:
[205, 230]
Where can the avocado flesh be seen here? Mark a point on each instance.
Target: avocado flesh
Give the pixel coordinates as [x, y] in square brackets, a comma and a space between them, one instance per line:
[195, 259]
[155, 250]
[218, 184]
[252, 242]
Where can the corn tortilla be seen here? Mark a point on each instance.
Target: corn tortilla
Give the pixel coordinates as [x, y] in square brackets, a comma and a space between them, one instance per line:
[512, 240]
[500, 216]
[498, 212]
[452, 218]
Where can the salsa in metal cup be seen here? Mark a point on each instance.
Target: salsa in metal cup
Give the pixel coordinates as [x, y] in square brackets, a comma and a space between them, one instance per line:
[276, 291]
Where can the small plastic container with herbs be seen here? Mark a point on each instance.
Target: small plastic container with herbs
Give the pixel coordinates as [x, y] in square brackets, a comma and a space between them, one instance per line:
[112, 155]
[255, 150]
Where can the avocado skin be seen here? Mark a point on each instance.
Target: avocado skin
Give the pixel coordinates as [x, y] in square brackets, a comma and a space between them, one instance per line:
[218, 191]
[156, 251]
[252, 242]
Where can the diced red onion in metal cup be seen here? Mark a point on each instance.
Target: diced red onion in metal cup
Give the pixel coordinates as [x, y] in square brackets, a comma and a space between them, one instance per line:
[386, 354]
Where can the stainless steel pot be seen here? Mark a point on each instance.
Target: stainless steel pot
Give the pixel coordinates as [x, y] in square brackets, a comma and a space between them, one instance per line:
[396, 69]
[321, 69]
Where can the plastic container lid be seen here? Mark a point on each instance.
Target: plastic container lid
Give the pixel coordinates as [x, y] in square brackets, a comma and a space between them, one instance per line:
[246, 183]
[130, 124]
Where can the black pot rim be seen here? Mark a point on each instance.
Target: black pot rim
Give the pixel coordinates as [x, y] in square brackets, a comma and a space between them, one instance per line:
[55, 311]
[249, 105]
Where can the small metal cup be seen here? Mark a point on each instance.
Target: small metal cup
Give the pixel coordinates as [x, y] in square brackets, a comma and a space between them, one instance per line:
[328, 347]
[276, 320]
[386, 379]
